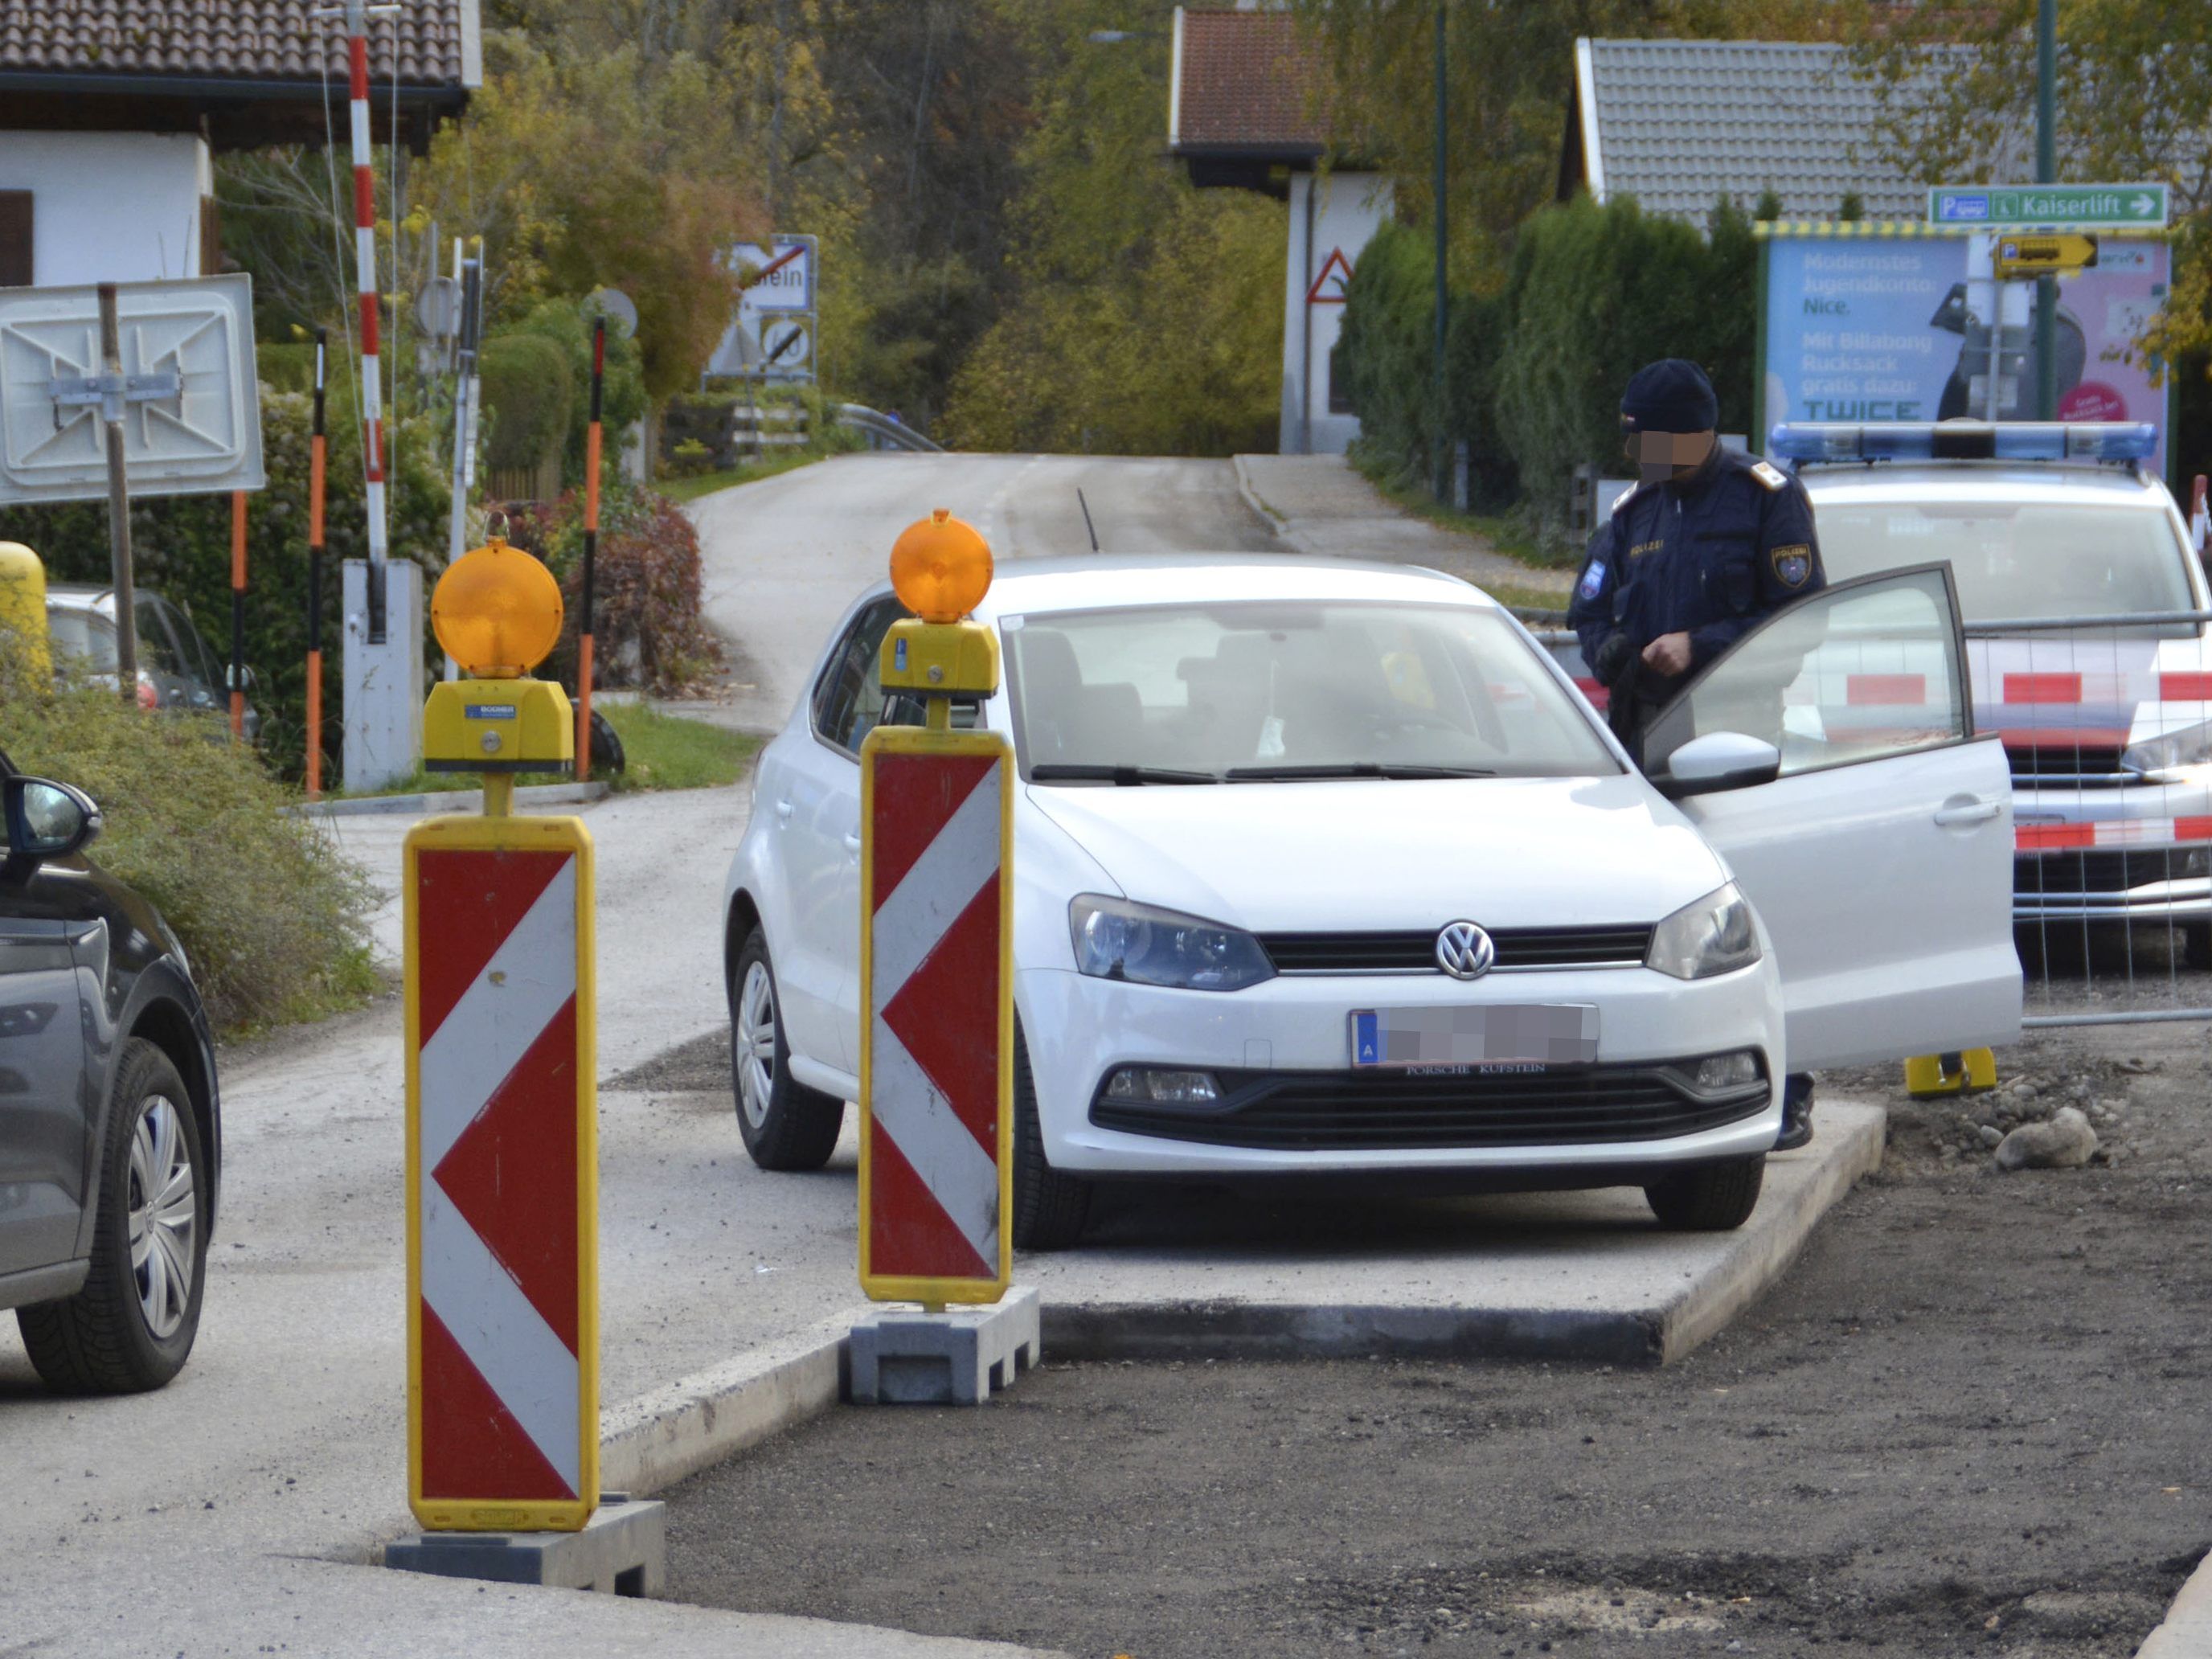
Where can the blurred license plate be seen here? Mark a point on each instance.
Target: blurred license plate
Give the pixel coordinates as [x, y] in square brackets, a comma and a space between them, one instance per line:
[1500, 1034]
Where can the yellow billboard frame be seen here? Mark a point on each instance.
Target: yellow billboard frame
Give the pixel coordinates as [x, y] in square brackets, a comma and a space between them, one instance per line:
[509, 834]
[932, 1292]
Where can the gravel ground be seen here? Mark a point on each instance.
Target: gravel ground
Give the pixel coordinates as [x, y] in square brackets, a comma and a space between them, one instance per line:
[1975, 1417]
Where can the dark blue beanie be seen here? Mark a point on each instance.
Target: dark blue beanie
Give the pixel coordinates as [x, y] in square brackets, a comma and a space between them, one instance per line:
[1671, 395]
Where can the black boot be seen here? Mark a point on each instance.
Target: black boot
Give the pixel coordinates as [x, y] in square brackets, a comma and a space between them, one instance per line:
[1796, 1112]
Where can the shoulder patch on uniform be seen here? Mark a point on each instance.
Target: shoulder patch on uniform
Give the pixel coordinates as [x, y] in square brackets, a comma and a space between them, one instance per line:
[1773, 478]
[1792, 564]
[1593, 581]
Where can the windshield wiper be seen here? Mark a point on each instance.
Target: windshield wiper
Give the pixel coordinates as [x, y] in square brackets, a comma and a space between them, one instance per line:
[1325, 770]
[1125, 777]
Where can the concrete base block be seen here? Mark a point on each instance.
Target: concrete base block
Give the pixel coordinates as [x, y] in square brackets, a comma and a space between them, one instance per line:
[622, 1550]
[953, 1359]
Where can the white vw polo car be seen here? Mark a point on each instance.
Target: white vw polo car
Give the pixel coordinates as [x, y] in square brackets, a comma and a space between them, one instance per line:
[1324, 870]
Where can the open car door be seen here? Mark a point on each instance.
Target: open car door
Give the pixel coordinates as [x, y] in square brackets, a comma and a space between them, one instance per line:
[1879, 852]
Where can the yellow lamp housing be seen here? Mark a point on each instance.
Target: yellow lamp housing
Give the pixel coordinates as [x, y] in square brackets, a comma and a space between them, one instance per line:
[498, 725]
[940, 659]
[496, 611]
[23, 605]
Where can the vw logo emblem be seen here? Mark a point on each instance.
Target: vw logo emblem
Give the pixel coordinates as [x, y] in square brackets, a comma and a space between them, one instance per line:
[1465, 951]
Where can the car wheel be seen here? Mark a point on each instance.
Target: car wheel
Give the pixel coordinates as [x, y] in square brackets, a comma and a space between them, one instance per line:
[1709, 1197]
[607, 754]
[2196, 943]
[786, 1125]
[1051, 1206]
[131, 1326]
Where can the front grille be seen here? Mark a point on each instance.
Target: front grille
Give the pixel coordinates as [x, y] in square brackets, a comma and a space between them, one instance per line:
[2067, 760]
[1389, 1110]
[1415, 951]
[2099, 872]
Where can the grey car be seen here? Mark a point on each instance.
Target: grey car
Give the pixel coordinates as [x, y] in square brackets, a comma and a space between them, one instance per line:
[178, 670]
[111, 1145]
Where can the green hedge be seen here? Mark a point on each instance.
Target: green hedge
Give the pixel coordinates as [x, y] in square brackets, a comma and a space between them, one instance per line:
[1535, 371]
[529, 399]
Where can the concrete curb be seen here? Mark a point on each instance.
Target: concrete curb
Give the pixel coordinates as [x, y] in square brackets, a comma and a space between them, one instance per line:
[2185, 1632]
[1268, 515]
[446, 800]
[655, 1440]
[1656, 1334]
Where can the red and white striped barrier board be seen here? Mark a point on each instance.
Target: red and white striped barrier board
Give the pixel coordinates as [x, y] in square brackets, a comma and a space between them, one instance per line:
[936, 1015]
[502, 1176]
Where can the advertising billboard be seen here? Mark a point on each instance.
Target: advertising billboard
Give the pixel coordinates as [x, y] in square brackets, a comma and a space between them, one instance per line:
[1894, 329]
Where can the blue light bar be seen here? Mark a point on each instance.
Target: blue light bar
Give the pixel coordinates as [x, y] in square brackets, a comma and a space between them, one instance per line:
[1964, 441]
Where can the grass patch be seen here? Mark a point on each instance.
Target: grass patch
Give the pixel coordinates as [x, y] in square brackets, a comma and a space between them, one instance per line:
[1506, 532]
[659, 751]
[768, 466]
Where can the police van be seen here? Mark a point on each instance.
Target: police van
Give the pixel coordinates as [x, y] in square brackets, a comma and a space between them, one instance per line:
[2084, 599]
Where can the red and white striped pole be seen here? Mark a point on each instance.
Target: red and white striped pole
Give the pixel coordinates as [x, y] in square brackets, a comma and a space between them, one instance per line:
[364, 233]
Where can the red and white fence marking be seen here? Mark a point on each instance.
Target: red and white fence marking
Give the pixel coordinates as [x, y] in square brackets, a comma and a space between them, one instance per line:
[936, 1024]
[501, 1177]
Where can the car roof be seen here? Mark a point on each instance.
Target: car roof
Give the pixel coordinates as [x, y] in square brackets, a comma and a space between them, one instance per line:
[1103, 581]
[2117, 487]
[80, 596]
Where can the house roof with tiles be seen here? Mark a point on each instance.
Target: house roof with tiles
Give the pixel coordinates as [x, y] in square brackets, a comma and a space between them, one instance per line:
[245, 72]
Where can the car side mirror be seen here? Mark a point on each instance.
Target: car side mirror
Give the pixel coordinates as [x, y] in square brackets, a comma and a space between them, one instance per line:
[1718, 761]
[47, 820]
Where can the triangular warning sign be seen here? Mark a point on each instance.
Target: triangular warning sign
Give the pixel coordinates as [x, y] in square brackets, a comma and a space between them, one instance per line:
[1335, 277]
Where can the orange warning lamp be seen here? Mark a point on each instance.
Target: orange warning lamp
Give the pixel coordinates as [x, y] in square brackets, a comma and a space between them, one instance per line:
[940, 567]
[497, 611]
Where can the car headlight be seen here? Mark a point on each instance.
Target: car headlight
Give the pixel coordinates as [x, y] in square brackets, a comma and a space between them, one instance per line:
[1117, 939]
[1716, 935]
[2189, 746]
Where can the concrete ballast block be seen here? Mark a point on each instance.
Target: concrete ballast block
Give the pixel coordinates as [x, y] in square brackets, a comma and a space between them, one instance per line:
[622, 1550]
[956, 1357]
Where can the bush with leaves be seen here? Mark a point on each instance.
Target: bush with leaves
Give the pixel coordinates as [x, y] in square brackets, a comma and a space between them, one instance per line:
[274, 918]
[646, 630]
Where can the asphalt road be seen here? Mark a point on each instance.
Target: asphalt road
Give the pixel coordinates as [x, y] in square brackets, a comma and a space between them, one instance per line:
[784, 557]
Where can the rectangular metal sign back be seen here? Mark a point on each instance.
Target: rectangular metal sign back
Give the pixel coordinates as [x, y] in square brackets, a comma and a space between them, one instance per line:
[502, 1176]
[936, 1015]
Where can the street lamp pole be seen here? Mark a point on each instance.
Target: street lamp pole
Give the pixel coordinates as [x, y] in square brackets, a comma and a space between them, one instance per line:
[2046, 173]
[1443, 464]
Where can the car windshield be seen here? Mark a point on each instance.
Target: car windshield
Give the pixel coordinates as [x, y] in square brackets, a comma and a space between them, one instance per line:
[1288, 690]
[2017, 561]
[90, 639]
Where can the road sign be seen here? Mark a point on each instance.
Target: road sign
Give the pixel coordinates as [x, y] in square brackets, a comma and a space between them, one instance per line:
[2037, 256]
[937, 1015]
[786, 342]
[1330, 287]
[503, 1173]
[2005, 206]
[777, 277]
[189, 401]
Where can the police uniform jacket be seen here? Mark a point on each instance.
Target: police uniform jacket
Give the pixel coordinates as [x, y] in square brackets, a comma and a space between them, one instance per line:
[1708, 555]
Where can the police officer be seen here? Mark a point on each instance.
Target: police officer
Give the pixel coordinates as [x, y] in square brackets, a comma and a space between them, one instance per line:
[1709, 543]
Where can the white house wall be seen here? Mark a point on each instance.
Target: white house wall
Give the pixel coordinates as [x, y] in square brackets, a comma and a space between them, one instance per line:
[120, 207]
[1331, 213]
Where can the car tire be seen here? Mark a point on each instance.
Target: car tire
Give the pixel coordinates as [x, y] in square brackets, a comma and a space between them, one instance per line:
[1051, 1207]
[786, 1125]
[1708, 1198]
[131, 1325]
[607, 754]
[2196, 943]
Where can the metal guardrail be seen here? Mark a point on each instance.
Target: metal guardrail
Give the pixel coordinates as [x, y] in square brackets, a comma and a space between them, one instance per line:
[885, 431]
